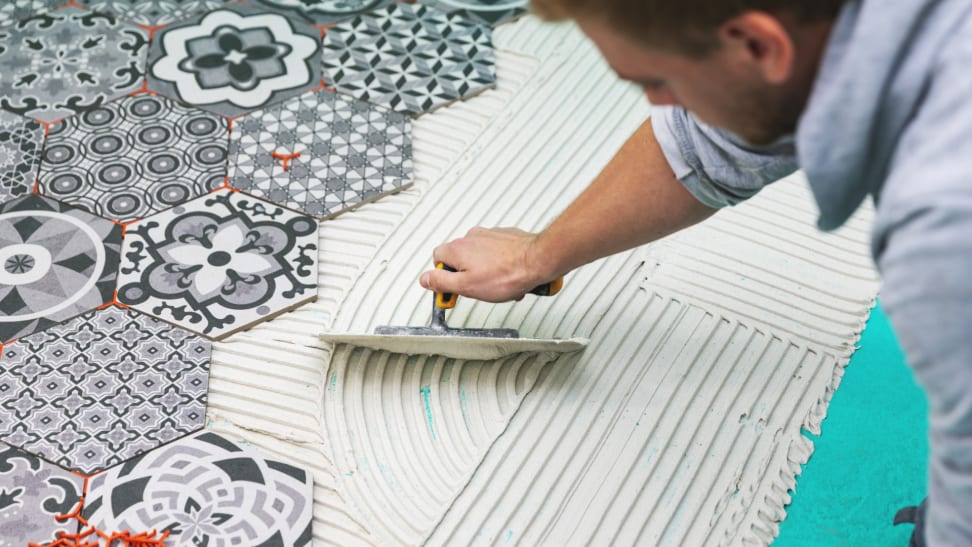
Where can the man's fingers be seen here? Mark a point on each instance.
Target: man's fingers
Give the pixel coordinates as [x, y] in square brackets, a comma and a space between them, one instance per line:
[441, 281]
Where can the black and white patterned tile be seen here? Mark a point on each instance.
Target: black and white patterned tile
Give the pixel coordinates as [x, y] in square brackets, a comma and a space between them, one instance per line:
[12, 11]
[67, 61]
[135, 156]
[220, 263]
[154, 13]
[56, 262]
[21, 141]
[235, 60]
[409, 58]
[343, 152]
[488, 12]
[32, 493]
[206, 490]
[102, 388]
[324, 12]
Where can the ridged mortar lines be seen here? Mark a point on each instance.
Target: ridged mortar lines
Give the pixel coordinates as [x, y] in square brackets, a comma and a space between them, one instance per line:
[397, 427]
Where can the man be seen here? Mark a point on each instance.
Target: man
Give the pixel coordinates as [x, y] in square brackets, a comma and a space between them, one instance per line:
[868, 97]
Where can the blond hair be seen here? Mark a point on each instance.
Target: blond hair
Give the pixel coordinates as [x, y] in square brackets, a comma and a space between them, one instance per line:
[687, 25]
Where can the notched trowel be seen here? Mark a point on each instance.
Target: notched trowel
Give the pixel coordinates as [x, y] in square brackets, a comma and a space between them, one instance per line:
[471, 344]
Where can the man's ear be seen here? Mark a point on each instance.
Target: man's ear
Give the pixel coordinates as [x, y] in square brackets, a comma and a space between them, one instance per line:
[763, 41]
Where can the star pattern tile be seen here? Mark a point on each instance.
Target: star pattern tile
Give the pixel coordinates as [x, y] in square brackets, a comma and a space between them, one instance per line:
[133, 157]
[340, 152]
[409, 58]
[68, 61]
[206, 490]
[102, 388]
[488, 12]
[154, 13]
[235, 60]
[32, 493]
[324, 12]
[21, 141]
[220, 263]
[56, 262]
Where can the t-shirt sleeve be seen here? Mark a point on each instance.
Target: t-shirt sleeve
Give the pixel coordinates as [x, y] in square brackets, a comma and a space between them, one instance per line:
[717, 167]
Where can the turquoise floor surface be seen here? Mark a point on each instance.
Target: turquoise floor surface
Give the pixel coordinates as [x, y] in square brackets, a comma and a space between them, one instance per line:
[870, 459]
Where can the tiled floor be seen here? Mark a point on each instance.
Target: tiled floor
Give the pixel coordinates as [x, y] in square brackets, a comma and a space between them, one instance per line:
[164, 165]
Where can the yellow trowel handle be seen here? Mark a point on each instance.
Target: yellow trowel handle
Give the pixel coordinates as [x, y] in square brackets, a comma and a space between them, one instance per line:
[447, 301]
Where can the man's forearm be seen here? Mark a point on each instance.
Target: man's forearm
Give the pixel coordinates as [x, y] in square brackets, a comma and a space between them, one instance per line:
[636, 199]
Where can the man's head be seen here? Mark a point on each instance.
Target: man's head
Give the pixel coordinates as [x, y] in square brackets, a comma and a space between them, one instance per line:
[745, 65]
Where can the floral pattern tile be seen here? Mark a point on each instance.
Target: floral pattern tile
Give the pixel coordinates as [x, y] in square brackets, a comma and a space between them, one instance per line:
[220, 263]
[488, 12]
[102, 388]
[343, 152]
[12, 11]
[409, 58]
[135, 156]
[32, 493]
[67, 61]
[56, 262]
[235, 60]
[206, 490]
[324, 12]
[154, 13]
[21, 140]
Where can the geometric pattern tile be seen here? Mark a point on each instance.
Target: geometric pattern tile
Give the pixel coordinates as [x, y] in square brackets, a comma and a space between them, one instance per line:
[219, 263]
[488, 12]
[102, 388]
[206, 491]
[135, 156]
[235, 60]
[12, 11]
[343, 152]
[153, 13]
[21, 140]
[32, 493]
[324, 12]
[68, 61]
[55, 262]
[409, 58]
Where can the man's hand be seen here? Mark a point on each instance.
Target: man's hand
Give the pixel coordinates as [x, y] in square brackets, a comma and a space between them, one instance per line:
[494, 265]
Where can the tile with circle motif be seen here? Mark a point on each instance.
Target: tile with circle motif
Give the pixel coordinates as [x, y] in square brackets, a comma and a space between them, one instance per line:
[488, 12]
[133, 157]
[32, 493]
[56, 262]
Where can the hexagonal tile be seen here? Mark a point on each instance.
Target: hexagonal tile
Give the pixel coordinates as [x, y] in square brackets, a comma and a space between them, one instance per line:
[153, 13]
[324, 12]
[102, 388]
[341, 152]
[410, 58]
[21, 140]
[206, 490]
[32, 493]
[56, 262]
[235, 60]
[220, 263]
[16, 10]
[487, 12]
[68, 61]
[135, 156]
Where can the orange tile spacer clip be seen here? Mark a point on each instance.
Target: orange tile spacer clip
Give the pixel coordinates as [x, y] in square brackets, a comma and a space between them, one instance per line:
[143, 89]
[72, 4]
[114, 302]
[151, 30]
[47, 125]
[285, 157]
[225, 186]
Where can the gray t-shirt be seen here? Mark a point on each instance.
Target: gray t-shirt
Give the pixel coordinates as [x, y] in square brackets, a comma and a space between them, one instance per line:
[890, 116]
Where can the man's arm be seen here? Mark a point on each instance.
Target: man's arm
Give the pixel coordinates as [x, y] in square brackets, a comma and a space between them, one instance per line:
[636, 199]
